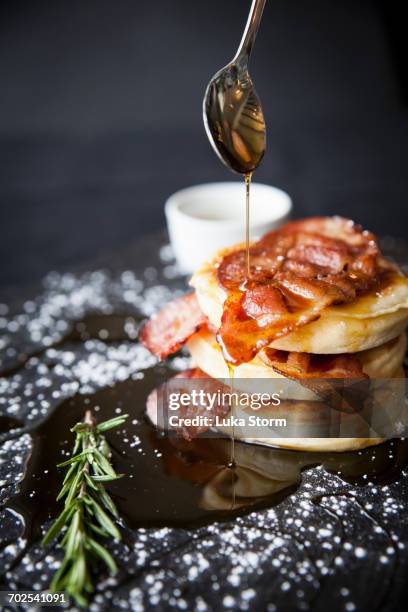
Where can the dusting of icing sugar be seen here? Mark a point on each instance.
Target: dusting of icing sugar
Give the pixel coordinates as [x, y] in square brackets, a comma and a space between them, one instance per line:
[68, 298]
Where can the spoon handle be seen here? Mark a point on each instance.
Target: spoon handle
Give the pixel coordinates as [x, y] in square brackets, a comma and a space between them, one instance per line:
[251, 29]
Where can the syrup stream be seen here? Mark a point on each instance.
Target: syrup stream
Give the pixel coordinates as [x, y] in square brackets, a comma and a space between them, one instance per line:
[231, 465]
[248, 177]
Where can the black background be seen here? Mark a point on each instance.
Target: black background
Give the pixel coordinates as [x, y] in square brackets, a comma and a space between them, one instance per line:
[100, 116]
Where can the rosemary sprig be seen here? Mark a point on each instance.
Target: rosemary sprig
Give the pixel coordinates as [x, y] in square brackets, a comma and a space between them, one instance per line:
[88, 509]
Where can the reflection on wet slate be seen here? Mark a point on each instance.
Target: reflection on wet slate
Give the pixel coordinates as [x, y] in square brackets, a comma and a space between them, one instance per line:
[171, 482]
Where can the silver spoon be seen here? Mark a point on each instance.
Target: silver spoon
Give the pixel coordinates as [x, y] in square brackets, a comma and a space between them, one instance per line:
[232, 110]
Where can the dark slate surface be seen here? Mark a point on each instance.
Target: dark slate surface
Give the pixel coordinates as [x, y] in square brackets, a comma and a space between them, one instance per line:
[329, 545]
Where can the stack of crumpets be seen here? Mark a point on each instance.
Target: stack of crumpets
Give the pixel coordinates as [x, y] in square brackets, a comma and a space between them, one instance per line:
[319, 303]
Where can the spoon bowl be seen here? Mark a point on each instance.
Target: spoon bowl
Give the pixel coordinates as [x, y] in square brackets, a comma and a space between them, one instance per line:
[232, 110]
[234, 119]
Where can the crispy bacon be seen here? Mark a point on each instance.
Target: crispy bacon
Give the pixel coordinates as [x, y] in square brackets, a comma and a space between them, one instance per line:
[338, 379]
[167, 331]
[207, 384]
[263, 300]
[265, 261]
[302, 292]
[310, 365]
[251, 319]
[300, 268]
[335, 228]
[241, 337]
[295, 273]
[331, 259]
[342, 284]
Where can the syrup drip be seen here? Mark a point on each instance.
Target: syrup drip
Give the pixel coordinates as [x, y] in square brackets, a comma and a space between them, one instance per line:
[248, 177]
[232, 464]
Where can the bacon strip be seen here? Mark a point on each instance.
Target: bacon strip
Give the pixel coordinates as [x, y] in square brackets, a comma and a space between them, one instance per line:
[338, 379]
[167, 331]
[207, 384]
[309, 365]
[295, 273]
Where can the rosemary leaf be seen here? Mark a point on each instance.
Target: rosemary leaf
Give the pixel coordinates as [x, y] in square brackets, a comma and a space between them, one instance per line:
[112, 423]
[90, 482]
[107, 502]
[74, 487]
[105, 522]
[106, 477]
[59, 524]
[76, 458]
[104, 464]
[103, 554]
[97, 530]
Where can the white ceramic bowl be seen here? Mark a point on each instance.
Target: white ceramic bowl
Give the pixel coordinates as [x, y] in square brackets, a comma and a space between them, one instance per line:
[205, 218]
